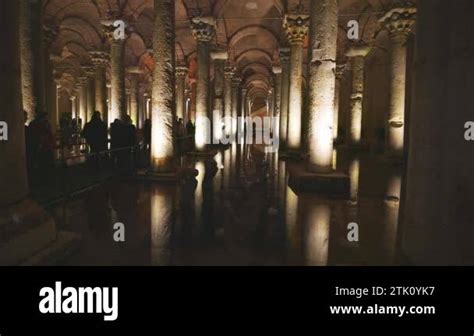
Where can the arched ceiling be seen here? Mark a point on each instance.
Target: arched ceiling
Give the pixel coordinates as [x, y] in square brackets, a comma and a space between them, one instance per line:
[251, 31]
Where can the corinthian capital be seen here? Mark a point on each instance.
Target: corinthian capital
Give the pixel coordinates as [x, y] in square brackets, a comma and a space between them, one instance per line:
[203, 28]
[296, 27]
[399, 21]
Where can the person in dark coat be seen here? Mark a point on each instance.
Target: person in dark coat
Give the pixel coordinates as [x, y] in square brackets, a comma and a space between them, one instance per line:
[95, 133]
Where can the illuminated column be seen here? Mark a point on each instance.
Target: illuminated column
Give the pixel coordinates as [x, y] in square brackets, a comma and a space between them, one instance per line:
[357, 53]
[181, 73]
[391, 213]
[340, 69]
[73, 106]
[285, 91]
[296, 26]
[118, 107]
[134, 73]
[203, 29]
[30, 42]
[100, 60]
[26, 228]
[228, 108]
[317, 222]
[219, 58]
[399, 22]
[163, 87]
[243, 109]
[277, 70]
[90, 73]
[322, 84]
[82, 95]
[235, 102]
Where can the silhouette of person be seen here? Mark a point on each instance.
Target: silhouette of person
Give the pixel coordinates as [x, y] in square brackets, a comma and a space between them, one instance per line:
[147, 133]
[95, 133]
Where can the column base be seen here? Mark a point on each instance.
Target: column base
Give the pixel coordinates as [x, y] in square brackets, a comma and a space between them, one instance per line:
[29, 236]
[332, 184]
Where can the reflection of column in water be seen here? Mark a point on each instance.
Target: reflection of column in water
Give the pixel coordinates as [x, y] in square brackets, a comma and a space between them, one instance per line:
[334, 159]
[317, 219]
[198, 195]
[282, 183]
[233, 164]
[218, 179]
[391, 213]
[291, 221]
[354, 169]
[227, 167]
[161, 221]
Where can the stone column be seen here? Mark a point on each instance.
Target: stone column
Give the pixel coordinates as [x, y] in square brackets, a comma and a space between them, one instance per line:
[229, 73]
[277, 70]
[26, 228]
[285, 91]
[30, 42]
[181, 73]
[437, 203]
[100, 60]
[73, 107]
[118, 107]
[90, 73]
[399, 22]
[134, 73]
[340, 69]
[357, 53]
[49, 34]
[203, 29]
[235, 103]
[82, 95]
[296, 26]
[163, 94]
[219, 58]
[322, 82]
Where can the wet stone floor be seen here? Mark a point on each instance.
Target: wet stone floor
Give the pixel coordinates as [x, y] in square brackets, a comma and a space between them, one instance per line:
[239, 210]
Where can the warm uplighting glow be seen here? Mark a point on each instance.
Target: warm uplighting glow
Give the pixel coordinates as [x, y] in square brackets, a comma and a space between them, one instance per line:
[161, 216]
[291, 219]
[317, 221]
[203, 133]
[354, 168]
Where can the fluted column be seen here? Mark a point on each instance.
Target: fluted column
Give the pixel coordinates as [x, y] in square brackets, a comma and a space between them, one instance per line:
[181, 73]
[357, 53]
[322, 82]
[163, 95]
[118, 108]
[100, 60]
[340, 70]
[229, 73]
[203, 29]
[399, 22]
[285, 91]
[296, 26]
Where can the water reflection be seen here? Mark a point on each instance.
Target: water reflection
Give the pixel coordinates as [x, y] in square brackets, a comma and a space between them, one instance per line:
[228, 215]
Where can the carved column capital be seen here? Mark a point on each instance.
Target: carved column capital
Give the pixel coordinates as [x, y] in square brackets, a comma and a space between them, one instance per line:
[284, 54]
[229, 72]
[99, 58]
[203, 28]
[296, 27]
[399, 22]
[181, 71]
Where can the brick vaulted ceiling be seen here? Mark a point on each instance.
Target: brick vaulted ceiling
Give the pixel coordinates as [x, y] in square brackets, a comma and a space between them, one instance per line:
[251, 31]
